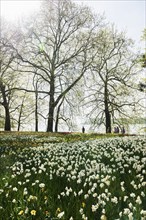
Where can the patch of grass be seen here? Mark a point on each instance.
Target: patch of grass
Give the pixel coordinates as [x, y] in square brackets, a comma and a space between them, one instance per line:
[26, 139]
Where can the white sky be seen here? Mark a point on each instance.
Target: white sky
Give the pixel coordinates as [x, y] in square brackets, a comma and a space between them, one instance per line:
[13, 10]
[129, 15]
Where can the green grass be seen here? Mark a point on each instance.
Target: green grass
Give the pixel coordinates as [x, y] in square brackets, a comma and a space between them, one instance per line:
[26, 139]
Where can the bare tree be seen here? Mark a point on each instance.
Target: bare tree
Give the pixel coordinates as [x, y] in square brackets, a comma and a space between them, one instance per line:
[57, 44]
[110, 96]
[142, 60]
[7, 75]
[12, 96]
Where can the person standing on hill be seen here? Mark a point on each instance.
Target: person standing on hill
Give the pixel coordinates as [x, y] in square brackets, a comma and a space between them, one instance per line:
[123, 130]
[83, 129]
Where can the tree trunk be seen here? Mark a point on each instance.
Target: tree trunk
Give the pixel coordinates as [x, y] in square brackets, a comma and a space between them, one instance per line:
[36, 110]
[57, 121]
[51, 107]
[57, 116]
[5, 104]
[19, 118]
[7, 118]
[108, 121]
[107, 112]
[50, 118]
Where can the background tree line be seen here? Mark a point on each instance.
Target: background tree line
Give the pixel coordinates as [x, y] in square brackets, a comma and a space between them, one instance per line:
[63, 60]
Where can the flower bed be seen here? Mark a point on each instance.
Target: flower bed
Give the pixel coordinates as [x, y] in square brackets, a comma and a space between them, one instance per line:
[95, 179]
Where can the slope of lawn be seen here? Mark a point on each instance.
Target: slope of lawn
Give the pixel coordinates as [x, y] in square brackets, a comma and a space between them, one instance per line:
[72, 177]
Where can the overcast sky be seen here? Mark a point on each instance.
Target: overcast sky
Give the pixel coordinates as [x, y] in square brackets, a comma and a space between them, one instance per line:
[128, 15]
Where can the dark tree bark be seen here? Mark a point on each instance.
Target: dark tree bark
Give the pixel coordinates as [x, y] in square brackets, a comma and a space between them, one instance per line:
[36, 111]
[57, 115]
[57, 119]
[5, 104]
[19, 118]
[107, 112]
[107, 119]
[7, 118]
[51, 107]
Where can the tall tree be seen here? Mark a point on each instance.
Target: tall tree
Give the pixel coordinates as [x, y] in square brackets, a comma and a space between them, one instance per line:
[112, 72]
[11, 97]
[57, 45]
[142, 84]
[7, 75]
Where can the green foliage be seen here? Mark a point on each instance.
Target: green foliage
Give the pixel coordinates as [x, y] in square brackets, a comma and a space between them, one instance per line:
[135, 120]
[143, 60]
[144, 35]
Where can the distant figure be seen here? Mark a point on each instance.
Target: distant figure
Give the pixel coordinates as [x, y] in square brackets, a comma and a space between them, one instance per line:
[83, 129]
[115, 130]
[123, 130]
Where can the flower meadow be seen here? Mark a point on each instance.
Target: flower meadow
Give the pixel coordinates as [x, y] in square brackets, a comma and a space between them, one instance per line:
[101, 179]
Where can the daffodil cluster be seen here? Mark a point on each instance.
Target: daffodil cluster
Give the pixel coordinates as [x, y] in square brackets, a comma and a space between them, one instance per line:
[101, 179]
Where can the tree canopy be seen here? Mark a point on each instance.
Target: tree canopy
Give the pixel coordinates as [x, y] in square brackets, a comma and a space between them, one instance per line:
[61, 60]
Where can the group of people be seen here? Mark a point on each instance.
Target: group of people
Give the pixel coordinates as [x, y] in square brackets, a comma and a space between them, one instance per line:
[117, 130]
